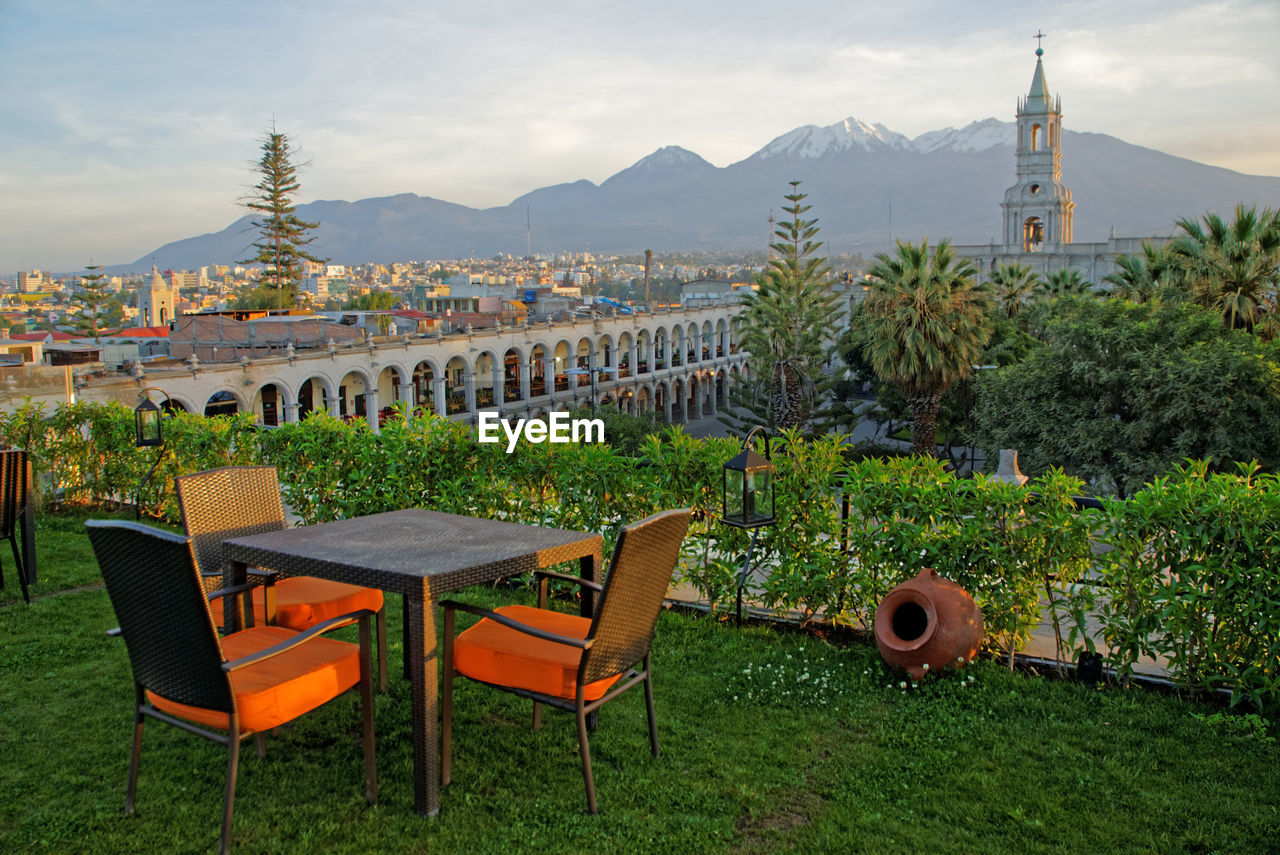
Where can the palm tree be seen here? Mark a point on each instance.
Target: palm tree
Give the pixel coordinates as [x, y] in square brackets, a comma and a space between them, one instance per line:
[1233, 267]
[1143, 279]
[787, 322]
[923, 326]
[1069, 282]
[1013, 285]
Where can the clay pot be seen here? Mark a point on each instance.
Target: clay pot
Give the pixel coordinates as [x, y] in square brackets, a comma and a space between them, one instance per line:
[928, 621]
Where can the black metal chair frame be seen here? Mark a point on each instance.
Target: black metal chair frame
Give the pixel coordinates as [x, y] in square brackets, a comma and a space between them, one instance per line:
[163, 662]
[13, 499]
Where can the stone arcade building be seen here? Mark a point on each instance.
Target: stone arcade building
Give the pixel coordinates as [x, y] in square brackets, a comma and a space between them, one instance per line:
[676, 364]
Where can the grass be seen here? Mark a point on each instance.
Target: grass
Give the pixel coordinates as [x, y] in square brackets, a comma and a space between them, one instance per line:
[772, 742]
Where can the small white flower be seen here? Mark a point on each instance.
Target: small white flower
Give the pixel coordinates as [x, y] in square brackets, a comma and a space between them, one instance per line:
[925, 667]
[902, 685]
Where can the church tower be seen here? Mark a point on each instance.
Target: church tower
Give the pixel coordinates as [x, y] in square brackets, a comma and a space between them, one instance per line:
[155, 304]
[1037, 209]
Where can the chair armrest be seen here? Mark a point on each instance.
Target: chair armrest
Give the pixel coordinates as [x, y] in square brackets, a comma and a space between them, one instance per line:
[580, 643]
[300, 638]
[263, 577]
[226, 592]
[586, 583]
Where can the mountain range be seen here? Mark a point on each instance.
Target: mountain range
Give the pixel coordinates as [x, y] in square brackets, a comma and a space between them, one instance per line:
[868, 185]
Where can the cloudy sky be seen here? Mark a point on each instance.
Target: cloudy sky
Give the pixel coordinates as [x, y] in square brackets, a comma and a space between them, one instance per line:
[131, 123]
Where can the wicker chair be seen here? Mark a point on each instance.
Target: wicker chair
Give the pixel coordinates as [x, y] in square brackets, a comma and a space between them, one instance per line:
[13, 497]
[572, 663]
[245, 683]
[236, 501]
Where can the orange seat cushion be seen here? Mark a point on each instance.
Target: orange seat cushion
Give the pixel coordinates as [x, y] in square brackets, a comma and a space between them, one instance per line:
[304, 601]
[279, 689]
[492, 653]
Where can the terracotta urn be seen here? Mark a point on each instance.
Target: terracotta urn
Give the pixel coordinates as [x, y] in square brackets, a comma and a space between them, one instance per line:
[927, 624]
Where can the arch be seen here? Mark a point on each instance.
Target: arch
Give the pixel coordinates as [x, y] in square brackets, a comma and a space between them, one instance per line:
[707, 351]
[692, 351]
[678, 401]
[352, 389]
[482, 371]
[511, 360]
[314, 395]
[455, 385]
[722, 338]
[722, 389]
[1032, 234]
[424, 375]
[583, 353]
[223, 402]
[625, 343]
[661, 347]
[271, 402]
[562, 362]
[676, 350]
[643, 340]
[695, 390]
[606, 353]
[538, 370]
[1035, 137]
[644, 400]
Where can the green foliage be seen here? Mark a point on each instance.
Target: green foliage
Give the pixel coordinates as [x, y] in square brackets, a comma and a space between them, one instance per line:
[282, 234]
[1013, 285]
[1233, 268]
[922, 327]
[1189, 576]
[1147, 278]
[1192, 580]
[1119, 393]
[787, 325]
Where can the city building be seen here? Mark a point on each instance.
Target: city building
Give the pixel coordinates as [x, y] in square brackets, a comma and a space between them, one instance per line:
[156, 301]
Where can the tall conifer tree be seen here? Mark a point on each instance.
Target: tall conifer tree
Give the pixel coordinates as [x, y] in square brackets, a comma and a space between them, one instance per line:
[282, 235]
[787, 326]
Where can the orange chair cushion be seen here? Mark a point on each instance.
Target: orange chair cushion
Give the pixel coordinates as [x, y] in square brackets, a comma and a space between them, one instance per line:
[492, 653]
[279, 689]
[304, 601]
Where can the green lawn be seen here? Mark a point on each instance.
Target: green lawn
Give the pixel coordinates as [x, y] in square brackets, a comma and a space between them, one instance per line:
[772, 741]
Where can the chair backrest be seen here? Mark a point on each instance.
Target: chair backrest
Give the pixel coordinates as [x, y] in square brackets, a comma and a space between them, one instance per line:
[13, 489]
[164, 617]
[638, 578]
[234, 501]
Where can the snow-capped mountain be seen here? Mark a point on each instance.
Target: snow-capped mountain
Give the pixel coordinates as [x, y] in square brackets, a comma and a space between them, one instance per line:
[868, 185]
[812, 141]
[975, 136]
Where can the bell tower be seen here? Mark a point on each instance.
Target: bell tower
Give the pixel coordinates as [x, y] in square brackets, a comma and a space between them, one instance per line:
[1038, 209]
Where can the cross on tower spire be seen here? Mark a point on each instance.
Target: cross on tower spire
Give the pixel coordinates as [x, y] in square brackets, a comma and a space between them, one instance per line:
[1039, 35]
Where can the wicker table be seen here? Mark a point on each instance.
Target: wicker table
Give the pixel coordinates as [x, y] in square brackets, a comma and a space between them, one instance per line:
[420, 555]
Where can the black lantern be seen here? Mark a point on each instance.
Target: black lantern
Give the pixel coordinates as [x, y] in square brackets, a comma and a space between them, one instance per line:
[748, 487]
[148, 433]
[146, 418]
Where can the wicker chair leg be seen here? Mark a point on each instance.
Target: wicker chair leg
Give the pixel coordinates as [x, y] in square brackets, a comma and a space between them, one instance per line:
[382, 648]
[260, 744]
[136, 755]
[648, 703]
[446, 706]
[229, 799]
[585, 751]
[366, 712]
[537, 716]
[19, 569]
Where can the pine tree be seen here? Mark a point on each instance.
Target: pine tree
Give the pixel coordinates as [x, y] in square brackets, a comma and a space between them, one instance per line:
[282, 235]
[93, 300]
[787, 327]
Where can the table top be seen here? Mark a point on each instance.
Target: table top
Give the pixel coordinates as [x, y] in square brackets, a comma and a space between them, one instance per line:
[399, 550]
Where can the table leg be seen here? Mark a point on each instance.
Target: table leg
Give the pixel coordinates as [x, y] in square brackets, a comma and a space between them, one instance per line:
[590, 568]
[232, 619]
[420, 659]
